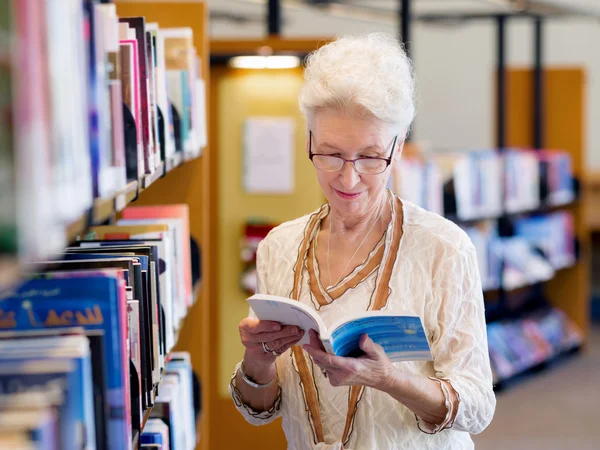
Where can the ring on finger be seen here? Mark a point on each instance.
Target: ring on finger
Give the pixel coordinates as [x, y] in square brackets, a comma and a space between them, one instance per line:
[266, 349]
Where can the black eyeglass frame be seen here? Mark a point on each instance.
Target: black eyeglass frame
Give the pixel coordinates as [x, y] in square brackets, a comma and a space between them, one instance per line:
[388, 160]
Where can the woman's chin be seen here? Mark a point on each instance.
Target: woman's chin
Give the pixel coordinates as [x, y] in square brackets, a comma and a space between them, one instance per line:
[348, 207]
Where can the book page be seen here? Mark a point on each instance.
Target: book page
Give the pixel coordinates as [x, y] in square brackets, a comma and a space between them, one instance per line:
[288, 312]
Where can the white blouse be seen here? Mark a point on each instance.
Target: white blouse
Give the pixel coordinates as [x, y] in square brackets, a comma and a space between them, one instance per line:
[435, 275]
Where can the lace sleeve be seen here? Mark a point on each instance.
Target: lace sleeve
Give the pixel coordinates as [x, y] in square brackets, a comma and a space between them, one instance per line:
[460, 338]
[252, 416]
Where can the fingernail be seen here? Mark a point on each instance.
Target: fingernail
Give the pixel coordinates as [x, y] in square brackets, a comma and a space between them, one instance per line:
[276, 327]
[296, 330]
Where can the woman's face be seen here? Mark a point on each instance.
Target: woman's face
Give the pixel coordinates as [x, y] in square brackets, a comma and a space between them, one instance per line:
[350, 193]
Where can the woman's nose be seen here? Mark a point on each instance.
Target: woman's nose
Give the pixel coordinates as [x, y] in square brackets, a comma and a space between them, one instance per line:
[349, 176]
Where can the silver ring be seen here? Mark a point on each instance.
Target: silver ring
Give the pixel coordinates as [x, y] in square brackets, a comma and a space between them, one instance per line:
[266, 349]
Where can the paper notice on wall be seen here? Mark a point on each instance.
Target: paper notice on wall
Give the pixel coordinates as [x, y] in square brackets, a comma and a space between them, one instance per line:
[269, 155]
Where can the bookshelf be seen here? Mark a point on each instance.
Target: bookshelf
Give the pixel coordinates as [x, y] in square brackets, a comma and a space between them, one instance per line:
[193, 183]
[183, 178]
[564, 127]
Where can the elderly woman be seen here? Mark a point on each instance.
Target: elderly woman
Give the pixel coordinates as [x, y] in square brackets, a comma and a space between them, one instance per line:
[366, 250]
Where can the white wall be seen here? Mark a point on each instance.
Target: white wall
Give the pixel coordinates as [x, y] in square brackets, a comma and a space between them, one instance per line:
[454, 65]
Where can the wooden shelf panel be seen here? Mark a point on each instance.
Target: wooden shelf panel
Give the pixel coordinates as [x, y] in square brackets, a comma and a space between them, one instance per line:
[147, 180]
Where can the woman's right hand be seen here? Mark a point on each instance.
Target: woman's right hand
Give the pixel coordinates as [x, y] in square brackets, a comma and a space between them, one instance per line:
[277, 338]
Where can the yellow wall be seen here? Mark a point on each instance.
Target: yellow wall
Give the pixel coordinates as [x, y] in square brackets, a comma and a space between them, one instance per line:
[241, 95]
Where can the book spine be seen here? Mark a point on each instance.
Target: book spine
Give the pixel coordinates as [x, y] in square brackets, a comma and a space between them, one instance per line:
[152, 98]
[121, 300]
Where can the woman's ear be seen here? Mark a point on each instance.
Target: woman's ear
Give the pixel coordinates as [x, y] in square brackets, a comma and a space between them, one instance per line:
[398, 151]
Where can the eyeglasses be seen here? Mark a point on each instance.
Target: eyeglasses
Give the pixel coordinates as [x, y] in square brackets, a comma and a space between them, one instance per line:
[365, 165]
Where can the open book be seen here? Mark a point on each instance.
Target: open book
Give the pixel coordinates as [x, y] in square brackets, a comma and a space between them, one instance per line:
[401, 335]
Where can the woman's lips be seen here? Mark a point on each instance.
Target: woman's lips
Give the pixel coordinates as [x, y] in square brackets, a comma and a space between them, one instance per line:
[347, 196]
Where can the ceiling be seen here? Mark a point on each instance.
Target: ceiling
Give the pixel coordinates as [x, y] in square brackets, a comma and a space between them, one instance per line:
[436, 7]
[247, 17]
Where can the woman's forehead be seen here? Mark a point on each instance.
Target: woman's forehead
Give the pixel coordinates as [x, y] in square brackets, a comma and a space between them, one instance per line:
[340, 124]
[352, 137]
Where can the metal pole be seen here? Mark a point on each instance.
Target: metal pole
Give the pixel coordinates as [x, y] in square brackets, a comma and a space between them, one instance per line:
[405, 19]
[501, 83]
[538, 85]
[405, 23]
[274, 18]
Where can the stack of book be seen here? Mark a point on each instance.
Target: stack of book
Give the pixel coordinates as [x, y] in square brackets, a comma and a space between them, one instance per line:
[485, 184]
[90, 103]
[93, 335]
[418, 181]
[505, 202]
[538, 247]
[519, 345]
[488, 246]
[471, 182]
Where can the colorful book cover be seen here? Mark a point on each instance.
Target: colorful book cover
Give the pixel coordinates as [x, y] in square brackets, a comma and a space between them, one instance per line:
[8, 193]
[162, 90]
[135, 349]
[139, 25]
[95, 303]
[24, 376]
[180, 60]
[135, 287]
[172, 286]
[132, 94]
[156, 432]
[47, 351]
[179, 211]
[147, 289]
[110, 33]
[180, 364]
[150, 50]
[39, 232]
[39, 425]
[169, 409]
[177, 84]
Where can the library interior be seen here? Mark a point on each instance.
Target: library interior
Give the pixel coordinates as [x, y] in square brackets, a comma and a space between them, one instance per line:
[471, 254]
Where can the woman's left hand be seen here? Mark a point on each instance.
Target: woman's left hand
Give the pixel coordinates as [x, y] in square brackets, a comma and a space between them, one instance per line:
[373, 369]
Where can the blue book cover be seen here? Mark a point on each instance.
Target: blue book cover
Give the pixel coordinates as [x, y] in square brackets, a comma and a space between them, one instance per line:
[183, 368]
[93, 95]
[89, 301]
[186, 114]
[151, 438]
[48, 350]
[36, 375]
[35, 417]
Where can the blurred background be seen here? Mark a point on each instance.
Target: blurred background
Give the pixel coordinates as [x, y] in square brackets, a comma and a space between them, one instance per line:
[177, 141]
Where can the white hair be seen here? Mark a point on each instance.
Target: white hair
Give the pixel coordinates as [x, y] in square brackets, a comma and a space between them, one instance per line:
[371, 73]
